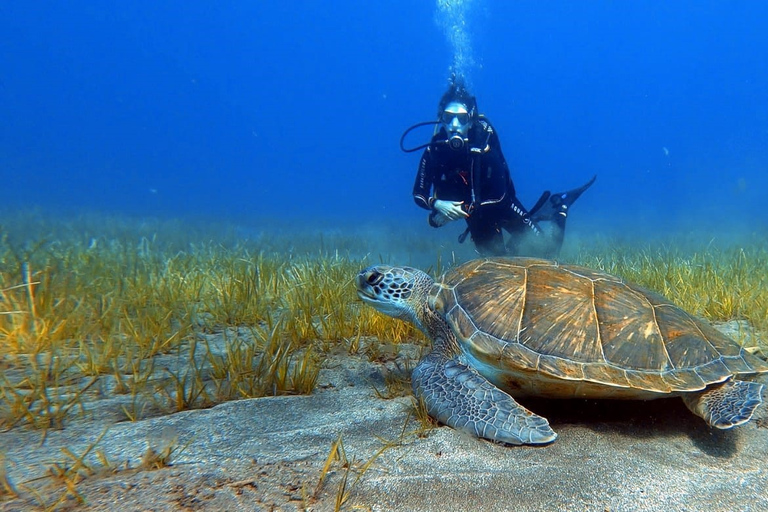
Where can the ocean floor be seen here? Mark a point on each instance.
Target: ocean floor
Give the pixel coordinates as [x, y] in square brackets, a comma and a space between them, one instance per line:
[357, 441]
[346, 446]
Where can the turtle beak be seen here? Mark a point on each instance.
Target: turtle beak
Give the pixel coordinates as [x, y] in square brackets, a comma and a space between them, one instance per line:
[365, 282]
[365, 297]
[363, 294]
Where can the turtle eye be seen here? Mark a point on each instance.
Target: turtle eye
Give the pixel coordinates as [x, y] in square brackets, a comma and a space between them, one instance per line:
[374, 278]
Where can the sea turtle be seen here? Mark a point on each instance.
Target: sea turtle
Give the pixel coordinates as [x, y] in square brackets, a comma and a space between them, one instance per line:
[504, 327]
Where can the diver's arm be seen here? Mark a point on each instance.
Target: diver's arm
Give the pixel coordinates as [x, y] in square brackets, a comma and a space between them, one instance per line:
[423, 184]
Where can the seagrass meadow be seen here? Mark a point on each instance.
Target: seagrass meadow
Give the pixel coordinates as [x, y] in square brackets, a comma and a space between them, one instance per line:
[160, 316]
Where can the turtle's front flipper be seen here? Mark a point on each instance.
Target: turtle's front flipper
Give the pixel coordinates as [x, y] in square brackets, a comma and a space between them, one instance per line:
[459, 397]
[726, 405]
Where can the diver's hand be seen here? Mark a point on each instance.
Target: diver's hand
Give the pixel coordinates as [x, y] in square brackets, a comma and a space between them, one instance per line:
[450, 209]
[438, 220]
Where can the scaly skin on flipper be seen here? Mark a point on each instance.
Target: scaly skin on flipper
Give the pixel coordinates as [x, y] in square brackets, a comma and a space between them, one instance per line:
[454, 393]
[458, 396]
[727, 405]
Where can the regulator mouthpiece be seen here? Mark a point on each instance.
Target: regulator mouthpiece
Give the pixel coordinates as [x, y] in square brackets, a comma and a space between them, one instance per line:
[456, 142]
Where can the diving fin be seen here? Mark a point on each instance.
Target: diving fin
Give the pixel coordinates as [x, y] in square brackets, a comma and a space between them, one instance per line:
[557, 204]
[544, 196]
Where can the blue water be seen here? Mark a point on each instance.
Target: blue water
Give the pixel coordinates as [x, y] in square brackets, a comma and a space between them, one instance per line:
[250, 110]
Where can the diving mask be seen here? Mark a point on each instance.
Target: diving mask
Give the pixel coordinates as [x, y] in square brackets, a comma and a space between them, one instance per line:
[456, 120]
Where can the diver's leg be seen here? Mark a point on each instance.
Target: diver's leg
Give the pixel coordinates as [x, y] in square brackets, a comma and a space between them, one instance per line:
[486, 234]
[527, 237]
[555, 235]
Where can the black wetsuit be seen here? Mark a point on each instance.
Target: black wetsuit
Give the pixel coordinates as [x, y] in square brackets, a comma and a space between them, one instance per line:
[478, 175]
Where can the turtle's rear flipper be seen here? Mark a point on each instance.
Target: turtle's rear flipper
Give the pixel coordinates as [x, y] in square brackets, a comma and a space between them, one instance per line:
[558, 203]
[457, 396]
[726, 405]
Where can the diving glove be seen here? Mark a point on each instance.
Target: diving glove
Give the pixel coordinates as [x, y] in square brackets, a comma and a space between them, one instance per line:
[451, 209]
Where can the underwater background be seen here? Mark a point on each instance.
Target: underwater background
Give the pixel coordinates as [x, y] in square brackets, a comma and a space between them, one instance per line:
[191, 188]
[292, 112]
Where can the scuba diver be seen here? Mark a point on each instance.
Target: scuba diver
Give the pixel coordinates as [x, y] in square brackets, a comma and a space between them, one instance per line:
[463, 175]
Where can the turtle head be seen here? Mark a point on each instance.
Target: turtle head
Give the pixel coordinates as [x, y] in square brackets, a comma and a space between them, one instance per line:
[400, 292]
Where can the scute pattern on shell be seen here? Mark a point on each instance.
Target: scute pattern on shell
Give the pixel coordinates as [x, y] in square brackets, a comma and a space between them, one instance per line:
[574, 323]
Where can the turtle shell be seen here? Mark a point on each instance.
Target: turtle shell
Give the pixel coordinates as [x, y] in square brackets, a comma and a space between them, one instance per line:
[564, 330]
